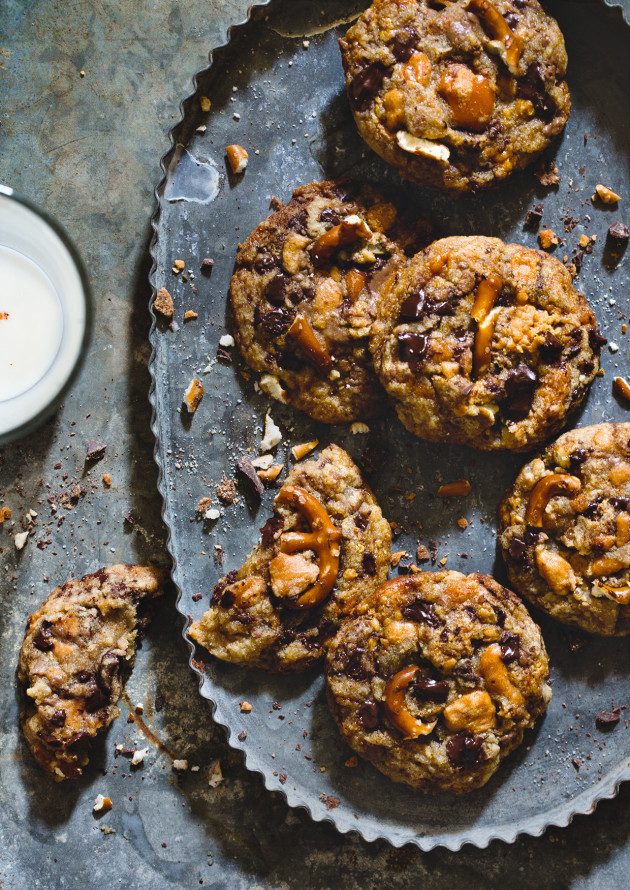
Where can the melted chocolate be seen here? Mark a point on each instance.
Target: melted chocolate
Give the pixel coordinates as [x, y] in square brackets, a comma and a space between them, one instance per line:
[426, 689]
[404, 43]
[413, 307]
[269, 529]
[595, 340]
[465, 749]
[510, 647]
[328, 215]
[520, 386]
[43, 640]
[423, 612]
[277, 322]
[517, 549]
[366, 85]
[413, 348]
[276, 289]
[369, 564]
[368, 715]
[551, 349]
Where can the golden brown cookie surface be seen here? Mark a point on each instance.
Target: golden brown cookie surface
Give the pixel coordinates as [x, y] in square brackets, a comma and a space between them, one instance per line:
[77, 648]
[484, 343]
[565, 529]
[436, 677]
[456, 95]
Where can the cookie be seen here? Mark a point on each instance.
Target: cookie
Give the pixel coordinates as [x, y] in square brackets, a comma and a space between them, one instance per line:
[564, 529]
[459, 94]
[325, 548]
[78, 648]
[304, 291]
[435, 679]
[484, 343]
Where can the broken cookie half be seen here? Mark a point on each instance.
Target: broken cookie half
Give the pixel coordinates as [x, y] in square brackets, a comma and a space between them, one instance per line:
[326, 547]
[78, 648]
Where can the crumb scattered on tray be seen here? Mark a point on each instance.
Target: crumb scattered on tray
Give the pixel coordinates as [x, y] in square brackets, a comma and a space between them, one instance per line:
[163, 303]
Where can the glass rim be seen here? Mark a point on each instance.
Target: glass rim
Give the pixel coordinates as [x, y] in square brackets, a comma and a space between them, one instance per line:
[54, 401]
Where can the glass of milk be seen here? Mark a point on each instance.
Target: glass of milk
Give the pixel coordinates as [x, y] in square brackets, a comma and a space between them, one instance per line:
[45, 314]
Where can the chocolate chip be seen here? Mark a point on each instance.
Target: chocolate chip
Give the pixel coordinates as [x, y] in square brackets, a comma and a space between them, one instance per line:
[500, 616]
[421, 611]
[465, 749]
[427, 689]
[95, 450]
[593, 507]
[608, 719]
[619, 503]
[79, 742]
[618, 231]
[551, 348]
[531, 534]
[328, 215]
[58, 717]
[369, 564]
[277, 322]
[366, 85]
[520, 386]
[264, 262]
[361, 520]
[218, 589]
[413, 348]
[576, 459]
[298, 222]
[517, 550]
[249, 471]
[355, 667]
[533, 217]
[404, 43]
[242, 735]
[269, 529]
[368, 715]
[510, 647]
[532, 87]
[276, 289]
[43, 639]
[595, 340]
[413, 307]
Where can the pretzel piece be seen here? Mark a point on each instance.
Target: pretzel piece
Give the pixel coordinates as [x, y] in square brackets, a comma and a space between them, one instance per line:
[323, 538]
[544, 490]
[395, 708]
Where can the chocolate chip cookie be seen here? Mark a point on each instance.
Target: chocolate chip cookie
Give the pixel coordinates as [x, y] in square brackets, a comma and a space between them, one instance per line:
[484, 343]
[304, 292]
[325, 548]
[78, 648]
[436, 677]
[565, 529]
[456, 94]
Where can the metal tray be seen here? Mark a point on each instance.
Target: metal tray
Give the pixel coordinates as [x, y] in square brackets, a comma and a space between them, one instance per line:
[277, 88]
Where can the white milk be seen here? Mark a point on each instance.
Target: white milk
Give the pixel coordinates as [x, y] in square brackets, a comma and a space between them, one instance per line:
[43, 315]
[31, 323]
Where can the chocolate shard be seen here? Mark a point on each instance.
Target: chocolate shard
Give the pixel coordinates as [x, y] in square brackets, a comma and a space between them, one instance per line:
[270, 529]
[608, 719]
[533, 217]
[520, 386]
[368, 715]
[413, 308]
[465, 749]
[413, 348]
[618, 232]
[249, 471]
[95, 450]
[421, 611]
[366, 85]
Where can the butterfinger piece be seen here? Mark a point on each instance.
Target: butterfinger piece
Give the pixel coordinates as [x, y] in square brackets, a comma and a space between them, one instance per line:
[237, 158]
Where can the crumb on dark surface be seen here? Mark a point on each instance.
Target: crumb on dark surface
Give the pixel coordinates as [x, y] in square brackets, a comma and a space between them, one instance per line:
[533, 217]
[95, 450]
[226, 491]
[242, 735]
[207, 265]
[547, 173]
[607, 720]
[618, 231]
[331, 802]
[224, 354]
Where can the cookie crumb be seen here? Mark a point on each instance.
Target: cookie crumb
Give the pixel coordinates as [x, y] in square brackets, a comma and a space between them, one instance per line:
[180, 765]
[547, 238]
[245, 707]
[193, 395]
[163, 303]
[102, 804]
[216, 775]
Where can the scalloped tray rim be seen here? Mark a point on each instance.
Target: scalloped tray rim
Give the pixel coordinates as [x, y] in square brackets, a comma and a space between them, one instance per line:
[535, 826]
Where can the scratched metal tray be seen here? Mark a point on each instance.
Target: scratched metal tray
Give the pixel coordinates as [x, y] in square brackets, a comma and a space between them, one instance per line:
[277, 88]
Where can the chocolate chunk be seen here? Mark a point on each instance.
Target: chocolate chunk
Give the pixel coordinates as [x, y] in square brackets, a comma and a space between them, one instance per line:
[369, 564]
[43, 640]
[58, 717]
[608, 719]
[218, 589]
[520, 386]
[242, 735]
[593, 507]
[264, 262]
[413, 307]
[510, 647]
[355, 667]
[224, 355]
[595, 340]
[366, 85]
[618, 232]
[426, 689]
[500, 616]
[531, 534]
[619, 503]
[577, 258]
[107, 672]
[277, 322]
[576, 459]
[95, 450]
[361, 520]
[79, 742]
[532, 87]
[413, 348]
[404, 43]
[465, 749]
[517, 550]
[328, 215]
[298, 222]
[269, 529]
[551, 348]
[276, 289]
[368, 715]
[421, 611]
[207, 265]
[533, 217]
[249, 471]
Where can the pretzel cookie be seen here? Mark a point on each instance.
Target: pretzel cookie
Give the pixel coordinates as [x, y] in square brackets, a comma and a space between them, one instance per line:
[484, 343]
[304, 292]
[78, 648]
[325, 548]
[435, 679]
[456, 94]
[565, 529]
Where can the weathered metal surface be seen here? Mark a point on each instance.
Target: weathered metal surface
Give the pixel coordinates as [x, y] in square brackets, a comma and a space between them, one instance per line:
[278, 90]
[86, 149]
